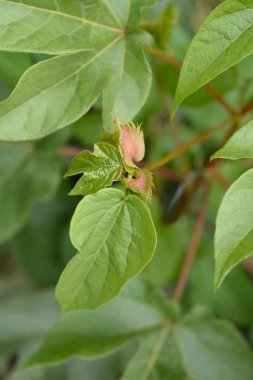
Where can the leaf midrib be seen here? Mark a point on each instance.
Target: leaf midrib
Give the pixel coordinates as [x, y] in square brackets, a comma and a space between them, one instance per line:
[155, 352]
[222, 53]
[95, 254]
[207, 349]
[66, 15]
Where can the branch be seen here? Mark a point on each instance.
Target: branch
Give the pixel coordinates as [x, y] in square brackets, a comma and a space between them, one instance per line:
[176, 153]
[192, 250]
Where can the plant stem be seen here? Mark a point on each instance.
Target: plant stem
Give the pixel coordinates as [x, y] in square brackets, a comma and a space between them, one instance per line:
[192, 248]
[211, 90]
[173, 62]
[176, 153]
[69, 150]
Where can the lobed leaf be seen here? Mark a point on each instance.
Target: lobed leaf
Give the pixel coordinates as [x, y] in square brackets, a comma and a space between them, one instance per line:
[240, 145]
[57, 92]
[99, 169]
[234, 227]
[116, 239]
[224, 39]
[203, 350]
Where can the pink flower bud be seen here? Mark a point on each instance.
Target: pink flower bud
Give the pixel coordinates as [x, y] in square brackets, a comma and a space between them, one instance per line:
[131, 144]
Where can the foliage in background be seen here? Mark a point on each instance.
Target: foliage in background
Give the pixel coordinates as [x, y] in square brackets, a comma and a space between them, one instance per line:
[66, 69]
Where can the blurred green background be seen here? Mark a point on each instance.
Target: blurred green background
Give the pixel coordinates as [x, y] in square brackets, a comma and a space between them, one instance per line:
[35, 210]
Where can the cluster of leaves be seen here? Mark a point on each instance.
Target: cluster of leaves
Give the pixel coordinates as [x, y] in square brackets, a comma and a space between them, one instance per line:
[111, 229]
[98, 64]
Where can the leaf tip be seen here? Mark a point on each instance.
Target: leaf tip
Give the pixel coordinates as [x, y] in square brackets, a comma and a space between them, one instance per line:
[174, 108]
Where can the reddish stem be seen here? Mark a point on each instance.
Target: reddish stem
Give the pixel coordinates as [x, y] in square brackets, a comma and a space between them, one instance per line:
[69, 150]
[192, 250]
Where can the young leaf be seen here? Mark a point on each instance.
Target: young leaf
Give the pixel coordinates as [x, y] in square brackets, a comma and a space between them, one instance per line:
[132, 148]
[240, 145]
[99, 169]
[26, 175]
[234, 227]
[94, 333]
[63, 88]
[206, 350]
[224, 39]
[116, 238]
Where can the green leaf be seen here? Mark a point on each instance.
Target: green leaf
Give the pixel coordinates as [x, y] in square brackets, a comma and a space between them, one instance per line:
[25, 319]
[56, 27]
[116, 238]
[26, 175]
[79, 369]
[57, 92]
[224, 39]
[240, 145]
[205, 349]
[128, 88]
[94, 333]
[234, 227]
[99, 169]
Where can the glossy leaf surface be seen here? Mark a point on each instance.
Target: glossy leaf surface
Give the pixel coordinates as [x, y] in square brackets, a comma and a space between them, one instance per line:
[99, 169]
